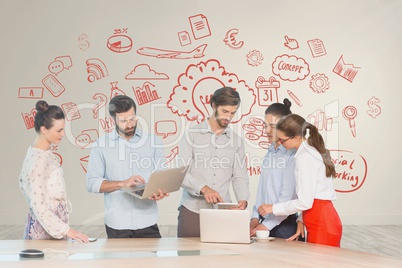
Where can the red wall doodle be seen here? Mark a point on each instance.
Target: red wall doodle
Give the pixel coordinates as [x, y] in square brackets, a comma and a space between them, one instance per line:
[59, 64]
[83, 42]
[267, 90]
[102, 100]
[30, 93]
[120, 42]
[350, 113]
[291, 43]
[71, 111]
[290, 68]
[115, 91]
[230, 39]
[351, 170]
[107, 124]
[53, 85]
[84, 162]
[86, 138]
[144, 72]
[254, 58]
[320, 120]
[255, 131]
[165, 128]
[184, 38]
[191, 97]
[347, 71]
[319, 83]
[375, 109]
[317, 48]
[145, 94]
[96, 69]
[29, 119]
[199, 26]
[173, 153]
[294, 98]
[198, 52]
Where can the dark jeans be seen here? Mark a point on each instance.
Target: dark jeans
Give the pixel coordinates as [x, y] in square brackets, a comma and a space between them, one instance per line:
[148, 232]
[286, 228]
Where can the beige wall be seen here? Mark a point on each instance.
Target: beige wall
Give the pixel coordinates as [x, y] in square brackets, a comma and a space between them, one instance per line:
[366, 33]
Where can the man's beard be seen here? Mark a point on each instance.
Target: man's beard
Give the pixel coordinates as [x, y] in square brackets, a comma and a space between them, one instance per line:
[128, 132]
[223, 123]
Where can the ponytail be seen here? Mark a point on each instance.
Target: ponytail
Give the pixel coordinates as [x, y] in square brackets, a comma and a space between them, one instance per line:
[315, 139]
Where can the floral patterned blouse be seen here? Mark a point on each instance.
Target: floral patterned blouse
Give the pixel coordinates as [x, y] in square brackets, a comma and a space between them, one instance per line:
[42, 183]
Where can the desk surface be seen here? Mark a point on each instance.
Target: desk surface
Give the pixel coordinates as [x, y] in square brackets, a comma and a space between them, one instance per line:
[186, 252]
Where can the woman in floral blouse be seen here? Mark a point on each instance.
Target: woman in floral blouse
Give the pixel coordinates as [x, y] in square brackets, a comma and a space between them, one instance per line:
[42, 181]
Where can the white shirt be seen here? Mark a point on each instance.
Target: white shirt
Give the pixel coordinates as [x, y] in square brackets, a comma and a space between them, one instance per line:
[311, 182]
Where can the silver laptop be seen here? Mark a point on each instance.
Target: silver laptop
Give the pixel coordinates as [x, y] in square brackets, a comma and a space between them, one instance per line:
[168, 180]
[225, 226]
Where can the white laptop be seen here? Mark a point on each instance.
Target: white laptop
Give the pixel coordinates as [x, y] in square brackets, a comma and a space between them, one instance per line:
[225, 226]
[167, 180]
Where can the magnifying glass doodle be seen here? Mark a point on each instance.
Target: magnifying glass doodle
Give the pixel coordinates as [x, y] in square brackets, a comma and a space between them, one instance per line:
[350, 113]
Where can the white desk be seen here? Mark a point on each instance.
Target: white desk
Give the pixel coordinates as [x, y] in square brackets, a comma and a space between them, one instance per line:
[187, 252]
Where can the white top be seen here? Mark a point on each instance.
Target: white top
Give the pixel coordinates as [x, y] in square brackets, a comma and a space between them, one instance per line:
[42, 183]
[311, 182]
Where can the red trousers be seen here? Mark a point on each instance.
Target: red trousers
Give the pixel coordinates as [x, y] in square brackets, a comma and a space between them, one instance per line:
[323, 224]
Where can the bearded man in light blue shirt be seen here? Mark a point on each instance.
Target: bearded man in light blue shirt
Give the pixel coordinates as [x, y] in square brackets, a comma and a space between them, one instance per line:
[126, 157]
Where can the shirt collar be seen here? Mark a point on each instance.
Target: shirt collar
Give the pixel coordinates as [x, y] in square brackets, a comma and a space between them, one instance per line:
[281, 148]
[205, 127]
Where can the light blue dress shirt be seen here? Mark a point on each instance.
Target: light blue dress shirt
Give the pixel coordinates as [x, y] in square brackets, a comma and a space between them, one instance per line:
[113, 158]
[277, 182]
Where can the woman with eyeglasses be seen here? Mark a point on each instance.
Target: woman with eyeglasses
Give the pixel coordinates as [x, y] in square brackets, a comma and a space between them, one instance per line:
[42, 181]
[277, 180]
[314, 171]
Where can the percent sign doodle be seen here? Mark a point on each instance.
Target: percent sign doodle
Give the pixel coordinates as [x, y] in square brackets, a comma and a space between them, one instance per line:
[101, 103]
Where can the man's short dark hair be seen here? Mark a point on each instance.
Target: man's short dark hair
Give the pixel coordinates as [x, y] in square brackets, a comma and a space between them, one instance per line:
[121, 104]
[225, 96]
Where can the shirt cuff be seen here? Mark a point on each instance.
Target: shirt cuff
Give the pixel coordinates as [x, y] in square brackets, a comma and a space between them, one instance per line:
[279, 209]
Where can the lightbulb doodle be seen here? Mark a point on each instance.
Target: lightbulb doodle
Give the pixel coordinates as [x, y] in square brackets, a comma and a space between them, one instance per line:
[191, 96]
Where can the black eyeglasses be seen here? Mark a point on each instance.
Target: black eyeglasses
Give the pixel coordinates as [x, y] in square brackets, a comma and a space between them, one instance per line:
[282, 141]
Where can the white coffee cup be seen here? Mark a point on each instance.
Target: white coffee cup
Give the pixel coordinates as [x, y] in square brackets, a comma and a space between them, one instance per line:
[262, 234]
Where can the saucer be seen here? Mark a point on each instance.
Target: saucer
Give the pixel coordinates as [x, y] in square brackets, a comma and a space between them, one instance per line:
[263, 239]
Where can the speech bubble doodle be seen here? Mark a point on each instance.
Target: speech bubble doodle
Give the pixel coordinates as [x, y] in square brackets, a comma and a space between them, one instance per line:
[290, 68]
[66, 60]
[83, 140]
[165, 128]
[55, 67]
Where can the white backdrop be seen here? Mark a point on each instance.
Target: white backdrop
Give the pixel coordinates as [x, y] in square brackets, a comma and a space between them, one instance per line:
[338, 62]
